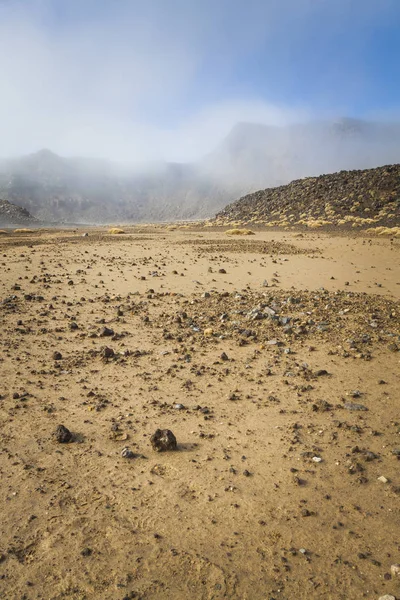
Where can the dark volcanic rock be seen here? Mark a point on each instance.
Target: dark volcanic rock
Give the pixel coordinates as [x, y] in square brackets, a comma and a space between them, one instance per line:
[108, 352]
[106, 332]
[163, 440]
[63, 435]
[367, 198]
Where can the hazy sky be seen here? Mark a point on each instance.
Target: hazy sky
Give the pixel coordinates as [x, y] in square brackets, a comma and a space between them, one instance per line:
[149, 79]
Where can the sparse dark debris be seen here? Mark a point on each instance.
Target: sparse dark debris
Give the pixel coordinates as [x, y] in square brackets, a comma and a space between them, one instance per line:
[210, 362]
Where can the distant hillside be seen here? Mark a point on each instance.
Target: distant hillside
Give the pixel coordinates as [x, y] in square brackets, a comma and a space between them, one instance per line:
[10, 214]
[367, 198]
[54, 188]
[251, 157]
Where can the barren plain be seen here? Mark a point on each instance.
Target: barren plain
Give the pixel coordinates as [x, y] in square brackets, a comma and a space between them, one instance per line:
[274, 359]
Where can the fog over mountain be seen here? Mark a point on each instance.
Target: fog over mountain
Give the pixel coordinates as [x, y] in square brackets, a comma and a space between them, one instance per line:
[252, 156]
[260, 155]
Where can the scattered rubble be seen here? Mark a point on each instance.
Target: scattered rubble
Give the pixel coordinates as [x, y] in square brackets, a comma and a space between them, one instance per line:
[283, 399]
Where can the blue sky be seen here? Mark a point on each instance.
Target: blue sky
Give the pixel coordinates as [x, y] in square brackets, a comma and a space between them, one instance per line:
[152, 79]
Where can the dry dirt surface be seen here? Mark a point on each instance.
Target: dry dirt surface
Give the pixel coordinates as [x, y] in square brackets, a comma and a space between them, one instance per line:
[275, 364]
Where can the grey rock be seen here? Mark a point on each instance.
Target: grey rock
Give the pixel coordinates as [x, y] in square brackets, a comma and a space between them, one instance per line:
[354, 406]
[127, 453]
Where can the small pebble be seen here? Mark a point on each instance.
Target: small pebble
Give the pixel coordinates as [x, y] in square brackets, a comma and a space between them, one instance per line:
[127, 453]
[395, 570]
[354, 406]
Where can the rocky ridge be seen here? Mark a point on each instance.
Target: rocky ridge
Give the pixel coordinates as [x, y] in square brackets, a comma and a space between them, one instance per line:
[364, 199]
[11, 214]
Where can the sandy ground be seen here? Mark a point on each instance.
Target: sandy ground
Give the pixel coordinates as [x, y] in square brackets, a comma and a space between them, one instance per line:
[273, 359]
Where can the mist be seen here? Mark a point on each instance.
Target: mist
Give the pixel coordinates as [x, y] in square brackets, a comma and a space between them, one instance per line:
[136, 81]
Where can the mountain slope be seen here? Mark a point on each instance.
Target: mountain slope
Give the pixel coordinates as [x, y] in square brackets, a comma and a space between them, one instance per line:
[251, 157]
[54, 188]
[10, 214]
[360, 198]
